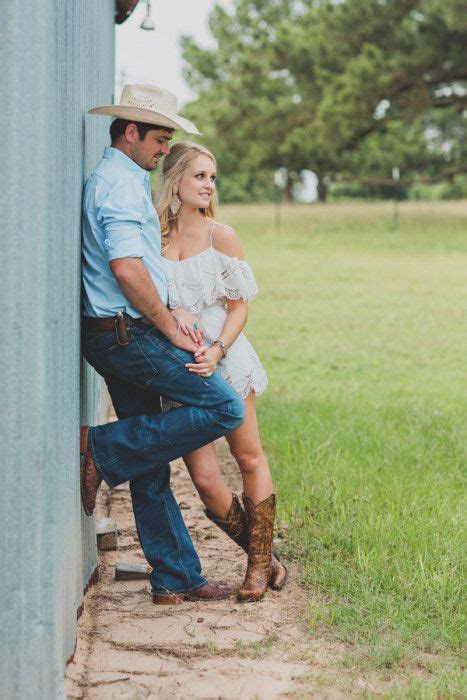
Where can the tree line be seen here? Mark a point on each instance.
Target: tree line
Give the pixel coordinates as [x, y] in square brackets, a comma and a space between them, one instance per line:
[354, 90]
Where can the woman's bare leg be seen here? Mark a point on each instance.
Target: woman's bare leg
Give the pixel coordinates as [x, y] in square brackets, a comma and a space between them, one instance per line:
[205, 472]
[245, 446]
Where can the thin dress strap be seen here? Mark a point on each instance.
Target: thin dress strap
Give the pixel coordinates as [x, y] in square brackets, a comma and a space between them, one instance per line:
[212, 231]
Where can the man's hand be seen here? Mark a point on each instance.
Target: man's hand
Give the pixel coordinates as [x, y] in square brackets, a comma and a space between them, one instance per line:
[185, 342]
[206, 359]
[187, 323]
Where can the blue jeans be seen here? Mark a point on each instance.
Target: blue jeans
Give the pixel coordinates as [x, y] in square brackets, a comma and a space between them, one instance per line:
[139, 446]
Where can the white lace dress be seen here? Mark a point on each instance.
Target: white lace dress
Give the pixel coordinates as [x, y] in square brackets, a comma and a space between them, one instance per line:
[202, 284]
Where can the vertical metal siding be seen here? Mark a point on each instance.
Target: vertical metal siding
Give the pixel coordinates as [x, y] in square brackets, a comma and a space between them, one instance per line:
[57, 60]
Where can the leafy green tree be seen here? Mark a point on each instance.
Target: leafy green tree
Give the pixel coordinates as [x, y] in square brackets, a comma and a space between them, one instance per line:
[341, 88]
[388, 60]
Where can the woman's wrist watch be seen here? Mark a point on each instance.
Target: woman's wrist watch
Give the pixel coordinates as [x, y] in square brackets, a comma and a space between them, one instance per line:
[222, 346]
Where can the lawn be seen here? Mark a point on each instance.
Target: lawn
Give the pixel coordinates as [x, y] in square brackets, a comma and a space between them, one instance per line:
[362, 329]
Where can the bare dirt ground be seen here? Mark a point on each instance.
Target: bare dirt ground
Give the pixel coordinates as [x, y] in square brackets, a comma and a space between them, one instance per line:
[129, 648]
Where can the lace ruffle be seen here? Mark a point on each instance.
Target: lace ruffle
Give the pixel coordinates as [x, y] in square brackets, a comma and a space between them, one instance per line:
[208, 278]
[248, 383]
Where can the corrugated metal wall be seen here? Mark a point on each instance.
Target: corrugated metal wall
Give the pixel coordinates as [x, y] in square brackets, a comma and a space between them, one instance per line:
[56, 61]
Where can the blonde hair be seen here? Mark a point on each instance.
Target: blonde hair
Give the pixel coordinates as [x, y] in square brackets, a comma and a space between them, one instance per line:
[175, 163]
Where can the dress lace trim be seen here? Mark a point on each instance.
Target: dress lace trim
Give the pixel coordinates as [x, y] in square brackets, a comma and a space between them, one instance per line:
[208, 278]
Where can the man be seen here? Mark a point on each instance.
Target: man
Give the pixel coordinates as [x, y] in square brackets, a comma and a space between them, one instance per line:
[133, 340]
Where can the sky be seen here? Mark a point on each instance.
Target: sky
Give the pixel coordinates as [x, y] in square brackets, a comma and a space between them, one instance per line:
[154, 57]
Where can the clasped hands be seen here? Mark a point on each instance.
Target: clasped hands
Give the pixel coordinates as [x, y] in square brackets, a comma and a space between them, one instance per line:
[206, 357]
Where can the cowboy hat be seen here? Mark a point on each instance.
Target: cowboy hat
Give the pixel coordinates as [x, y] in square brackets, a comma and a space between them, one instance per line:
[150, 105]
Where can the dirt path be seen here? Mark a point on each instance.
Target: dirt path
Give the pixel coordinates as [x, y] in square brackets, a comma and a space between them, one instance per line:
[129, 648]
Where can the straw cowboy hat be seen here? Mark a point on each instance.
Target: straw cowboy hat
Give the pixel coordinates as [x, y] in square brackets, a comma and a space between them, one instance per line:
[150, 105]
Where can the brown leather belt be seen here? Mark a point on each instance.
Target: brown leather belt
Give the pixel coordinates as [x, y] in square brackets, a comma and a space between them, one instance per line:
[108, 323]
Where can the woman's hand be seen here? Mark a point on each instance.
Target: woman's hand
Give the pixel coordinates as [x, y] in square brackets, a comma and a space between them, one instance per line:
[189, 324]
[206, 359]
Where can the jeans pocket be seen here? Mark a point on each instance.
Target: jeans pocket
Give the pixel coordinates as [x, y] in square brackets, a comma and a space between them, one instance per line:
[97, 342]
[134, 363]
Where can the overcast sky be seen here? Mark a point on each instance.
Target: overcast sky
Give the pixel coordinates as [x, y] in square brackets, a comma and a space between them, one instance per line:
[155, 57]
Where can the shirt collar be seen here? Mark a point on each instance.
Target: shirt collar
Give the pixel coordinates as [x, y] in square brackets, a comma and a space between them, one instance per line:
[116, 154]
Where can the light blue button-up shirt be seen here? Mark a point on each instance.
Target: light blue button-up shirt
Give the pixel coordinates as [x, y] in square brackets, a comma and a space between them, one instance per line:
[119, 221]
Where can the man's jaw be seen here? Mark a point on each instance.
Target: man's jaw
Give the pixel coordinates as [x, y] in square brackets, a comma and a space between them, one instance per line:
[153, 164]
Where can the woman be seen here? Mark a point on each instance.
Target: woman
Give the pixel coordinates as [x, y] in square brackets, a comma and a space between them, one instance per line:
[208, 276]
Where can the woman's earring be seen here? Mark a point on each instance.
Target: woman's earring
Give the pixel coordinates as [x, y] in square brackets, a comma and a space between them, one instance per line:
[175, 204]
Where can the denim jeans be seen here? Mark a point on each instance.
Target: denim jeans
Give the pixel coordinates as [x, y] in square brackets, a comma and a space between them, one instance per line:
[139, 446]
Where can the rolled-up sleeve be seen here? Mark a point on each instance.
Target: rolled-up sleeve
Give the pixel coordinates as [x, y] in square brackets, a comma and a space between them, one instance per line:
[121, 214]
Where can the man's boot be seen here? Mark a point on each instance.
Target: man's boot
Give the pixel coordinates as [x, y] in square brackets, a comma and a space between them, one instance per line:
[235, 527]
[260, 526]
[90, 478]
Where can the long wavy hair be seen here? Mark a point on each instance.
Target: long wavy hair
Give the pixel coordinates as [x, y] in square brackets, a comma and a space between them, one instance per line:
[175, 163]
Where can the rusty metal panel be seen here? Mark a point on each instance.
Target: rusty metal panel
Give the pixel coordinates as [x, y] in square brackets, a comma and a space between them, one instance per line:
[57, 60]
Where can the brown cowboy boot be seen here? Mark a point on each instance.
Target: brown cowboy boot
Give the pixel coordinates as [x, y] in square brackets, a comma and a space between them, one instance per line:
[234, 526]
[260, 526]
[90, 478]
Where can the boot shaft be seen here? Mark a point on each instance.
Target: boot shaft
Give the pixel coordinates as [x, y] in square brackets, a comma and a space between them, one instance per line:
[234, 524]
[260, 524]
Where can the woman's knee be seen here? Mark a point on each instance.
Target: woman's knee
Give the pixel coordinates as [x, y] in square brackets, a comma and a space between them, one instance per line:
[206, 482]
[250, 462]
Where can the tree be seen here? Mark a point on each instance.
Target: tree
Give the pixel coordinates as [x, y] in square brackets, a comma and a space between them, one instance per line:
[331, 86]
[388, 60]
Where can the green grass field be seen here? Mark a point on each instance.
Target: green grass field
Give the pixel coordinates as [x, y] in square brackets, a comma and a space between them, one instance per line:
[363, 332]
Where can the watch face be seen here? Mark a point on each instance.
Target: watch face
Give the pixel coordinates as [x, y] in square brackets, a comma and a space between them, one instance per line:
[222, 346]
